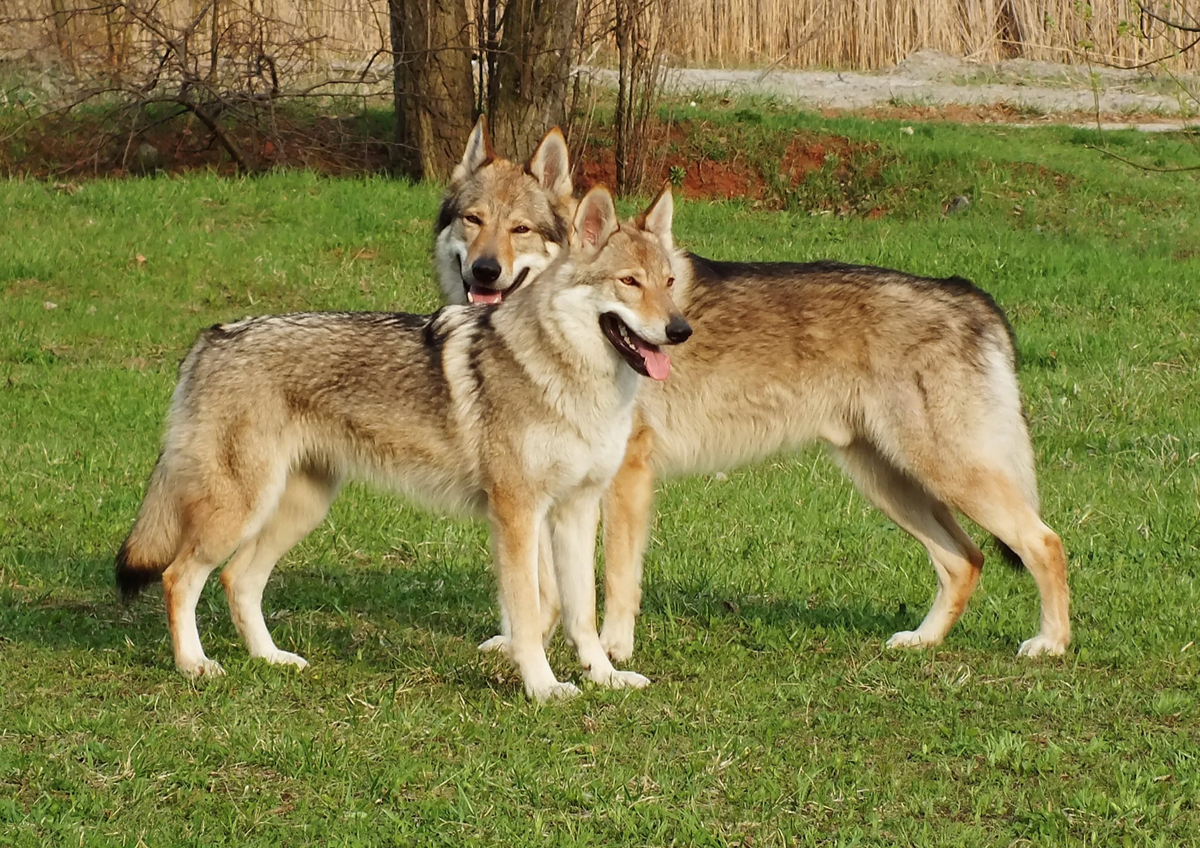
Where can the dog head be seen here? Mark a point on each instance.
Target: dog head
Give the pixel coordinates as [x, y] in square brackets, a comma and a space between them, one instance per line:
[624, 273]
[501, 223]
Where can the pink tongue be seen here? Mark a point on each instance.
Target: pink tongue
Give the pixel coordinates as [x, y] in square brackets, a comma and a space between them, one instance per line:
[658, 364]
[475, 294]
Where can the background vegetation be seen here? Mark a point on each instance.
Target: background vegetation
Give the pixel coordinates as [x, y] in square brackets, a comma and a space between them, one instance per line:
[775, 717]
[856, 35]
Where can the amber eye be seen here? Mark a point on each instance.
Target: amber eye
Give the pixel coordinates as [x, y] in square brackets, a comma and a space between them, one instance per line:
[520, 229]
[631, 281]
[473, 219]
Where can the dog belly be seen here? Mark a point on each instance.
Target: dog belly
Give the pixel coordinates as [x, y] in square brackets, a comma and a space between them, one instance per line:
[719, 443]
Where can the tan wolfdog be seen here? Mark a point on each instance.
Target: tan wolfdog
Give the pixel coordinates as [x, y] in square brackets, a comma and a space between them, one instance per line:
[520, 411]
[911, 382]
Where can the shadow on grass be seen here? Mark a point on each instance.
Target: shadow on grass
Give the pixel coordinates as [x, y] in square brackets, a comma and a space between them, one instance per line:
[375, 614]
[87, 613]
[702, 602]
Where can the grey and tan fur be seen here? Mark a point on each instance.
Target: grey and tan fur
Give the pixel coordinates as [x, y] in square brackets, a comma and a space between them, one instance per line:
[911, 382]
[501, 223]
[519, 411]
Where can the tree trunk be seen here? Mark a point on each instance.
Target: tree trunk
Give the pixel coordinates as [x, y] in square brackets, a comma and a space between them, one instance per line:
[528, 94]
[626, 83]
[432, 88]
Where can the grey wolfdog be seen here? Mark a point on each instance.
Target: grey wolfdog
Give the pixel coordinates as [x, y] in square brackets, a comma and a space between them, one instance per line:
[520, 411]
[911, 383]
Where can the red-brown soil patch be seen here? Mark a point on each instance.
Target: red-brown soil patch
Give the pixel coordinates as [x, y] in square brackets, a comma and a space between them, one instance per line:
[80, 147]
[702, 178]
[703, 160]
[718, 163]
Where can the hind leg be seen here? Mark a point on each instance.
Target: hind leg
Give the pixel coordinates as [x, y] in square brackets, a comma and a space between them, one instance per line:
[956, 559]
[303, 506]
[211, 535]
[183, 581]
[995, 501]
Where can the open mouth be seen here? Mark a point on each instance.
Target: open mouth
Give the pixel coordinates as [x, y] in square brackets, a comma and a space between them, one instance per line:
[485, 294]
[643, 357]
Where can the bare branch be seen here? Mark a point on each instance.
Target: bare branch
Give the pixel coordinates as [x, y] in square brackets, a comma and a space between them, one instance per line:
[1139, 165]
[1150, 13]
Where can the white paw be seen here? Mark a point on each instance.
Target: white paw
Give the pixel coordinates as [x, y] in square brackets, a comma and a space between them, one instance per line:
[552, 692]
[496, 643]
[1042, 646]
[204, 668]
[617, 643]
[614, 679]
[278, 657]
[909, 639]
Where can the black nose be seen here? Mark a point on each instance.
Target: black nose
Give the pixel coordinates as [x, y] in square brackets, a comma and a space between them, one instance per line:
[678, 330]
[486, 270]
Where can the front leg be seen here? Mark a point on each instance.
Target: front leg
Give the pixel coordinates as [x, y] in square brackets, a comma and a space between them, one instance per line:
[515, 517]
[547, 596]
[574, 527]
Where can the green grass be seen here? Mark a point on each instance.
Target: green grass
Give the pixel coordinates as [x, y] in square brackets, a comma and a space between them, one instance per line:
[775, 716]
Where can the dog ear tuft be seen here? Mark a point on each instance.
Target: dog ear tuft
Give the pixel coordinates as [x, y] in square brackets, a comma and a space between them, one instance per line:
[479, 151]
[549, 165]
[657, 218]
[595, 220]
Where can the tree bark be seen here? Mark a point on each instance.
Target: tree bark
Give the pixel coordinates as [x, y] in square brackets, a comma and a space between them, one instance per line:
[528, 93]
[432, 88]
[626, 83]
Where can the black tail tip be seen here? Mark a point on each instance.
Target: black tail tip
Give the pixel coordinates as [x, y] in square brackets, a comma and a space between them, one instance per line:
[1010, 556]
[131, 579]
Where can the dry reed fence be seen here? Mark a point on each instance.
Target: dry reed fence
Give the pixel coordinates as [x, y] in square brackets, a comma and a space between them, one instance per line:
[870, 34]
[858, 34]
[85, 34]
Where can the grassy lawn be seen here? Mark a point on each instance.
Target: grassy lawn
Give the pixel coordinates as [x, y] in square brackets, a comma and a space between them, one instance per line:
[775, 717]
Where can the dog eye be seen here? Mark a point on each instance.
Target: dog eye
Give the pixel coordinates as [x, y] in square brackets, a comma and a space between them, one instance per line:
[631, 281]
[520, 229]
[473, 219]
[670, 281]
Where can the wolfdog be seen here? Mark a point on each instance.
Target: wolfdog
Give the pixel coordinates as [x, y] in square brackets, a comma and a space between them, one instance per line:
[911, 382]
[500, 223]
[520, 411]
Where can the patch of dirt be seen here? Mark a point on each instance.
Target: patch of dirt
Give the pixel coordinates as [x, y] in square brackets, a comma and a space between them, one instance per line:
[929, 77]
[1003, 113]
[77, 147]
[772, 170]
[695, 176]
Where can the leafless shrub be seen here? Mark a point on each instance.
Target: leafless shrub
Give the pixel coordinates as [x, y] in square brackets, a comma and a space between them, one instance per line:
[225, 64]
[1176, 25]
[642, 29]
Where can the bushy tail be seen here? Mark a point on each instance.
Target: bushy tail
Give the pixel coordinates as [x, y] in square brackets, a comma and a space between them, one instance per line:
[154, 540]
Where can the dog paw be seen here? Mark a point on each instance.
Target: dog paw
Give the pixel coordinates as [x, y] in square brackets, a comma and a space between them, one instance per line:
[203, 668]
[618, 645]
[496, 643]
[552, 692]
[620, 680]
[908, 639]
[1042, 646]
[278, 657]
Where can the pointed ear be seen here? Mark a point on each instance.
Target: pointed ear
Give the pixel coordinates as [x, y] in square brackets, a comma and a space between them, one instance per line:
[656, 220]
[549, 165]
[479, 151]
[595, 220]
